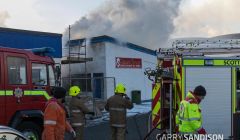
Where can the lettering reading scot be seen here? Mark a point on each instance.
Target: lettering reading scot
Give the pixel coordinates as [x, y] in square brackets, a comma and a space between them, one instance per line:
[232, 62]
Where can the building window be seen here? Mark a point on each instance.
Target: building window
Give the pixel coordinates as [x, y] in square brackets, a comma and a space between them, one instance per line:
[83, 81]
[39, 74]
[17, 73]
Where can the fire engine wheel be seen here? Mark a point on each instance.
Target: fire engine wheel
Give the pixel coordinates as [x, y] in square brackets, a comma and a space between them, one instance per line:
[31, 130]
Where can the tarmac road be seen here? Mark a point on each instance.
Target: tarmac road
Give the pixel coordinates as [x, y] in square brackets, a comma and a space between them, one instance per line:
[136, 130]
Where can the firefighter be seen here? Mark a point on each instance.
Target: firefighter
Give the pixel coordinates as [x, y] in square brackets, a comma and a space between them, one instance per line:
[117, 105]
[78, 111]
[55, 123]
[189, 117]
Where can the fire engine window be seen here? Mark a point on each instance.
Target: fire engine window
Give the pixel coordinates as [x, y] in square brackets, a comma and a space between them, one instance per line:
[238, 89]
[51, 75]
[39, 74]
[17, 73]
[238, 101]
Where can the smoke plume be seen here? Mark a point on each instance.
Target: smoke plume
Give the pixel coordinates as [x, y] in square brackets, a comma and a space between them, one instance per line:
[207, 18]
[147, 23]
[3, 16]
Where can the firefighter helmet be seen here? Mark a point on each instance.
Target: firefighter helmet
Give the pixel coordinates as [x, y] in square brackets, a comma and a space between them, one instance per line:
[120, 88]
[74, 91]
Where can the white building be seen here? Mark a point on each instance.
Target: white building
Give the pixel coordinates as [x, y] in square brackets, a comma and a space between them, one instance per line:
[125, 62]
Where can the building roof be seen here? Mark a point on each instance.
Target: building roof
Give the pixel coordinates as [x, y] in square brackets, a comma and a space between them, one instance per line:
[3, 29]
[105, 38]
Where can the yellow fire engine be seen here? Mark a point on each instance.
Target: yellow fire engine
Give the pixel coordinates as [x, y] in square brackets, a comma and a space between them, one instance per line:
[215, 64]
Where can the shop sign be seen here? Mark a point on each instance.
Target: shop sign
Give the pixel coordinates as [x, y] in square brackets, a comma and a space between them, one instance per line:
[128, 62]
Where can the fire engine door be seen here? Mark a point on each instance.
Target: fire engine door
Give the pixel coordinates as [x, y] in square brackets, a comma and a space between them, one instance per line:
[16, 81]
[216, 107]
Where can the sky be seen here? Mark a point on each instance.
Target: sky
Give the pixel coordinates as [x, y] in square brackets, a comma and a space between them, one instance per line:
[125, 18]
[44, 15]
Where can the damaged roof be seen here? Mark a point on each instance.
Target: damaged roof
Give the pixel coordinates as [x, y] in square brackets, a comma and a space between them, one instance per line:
[105, 38]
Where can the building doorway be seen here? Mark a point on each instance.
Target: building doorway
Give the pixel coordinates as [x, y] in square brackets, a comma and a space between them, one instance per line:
[98, 85]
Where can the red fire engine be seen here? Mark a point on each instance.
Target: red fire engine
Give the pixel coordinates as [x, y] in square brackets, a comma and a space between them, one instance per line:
[25, 83]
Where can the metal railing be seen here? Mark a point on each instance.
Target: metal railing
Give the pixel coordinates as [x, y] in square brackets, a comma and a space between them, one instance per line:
[97, 87]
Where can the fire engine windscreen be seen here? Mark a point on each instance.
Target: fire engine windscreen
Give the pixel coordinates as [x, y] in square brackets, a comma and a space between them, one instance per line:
[52, 79]
[39, 74]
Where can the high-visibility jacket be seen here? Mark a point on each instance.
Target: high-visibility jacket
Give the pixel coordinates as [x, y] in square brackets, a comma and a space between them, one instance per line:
[189, 117]
[55, 123]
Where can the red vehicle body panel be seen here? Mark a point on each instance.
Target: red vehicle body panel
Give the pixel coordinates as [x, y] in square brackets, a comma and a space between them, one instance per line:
[10, 104]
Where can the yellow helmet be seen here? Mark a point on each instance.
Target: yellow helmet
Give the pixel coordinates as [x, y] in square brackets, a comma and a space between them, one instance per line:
[74, 91]
[120, 88]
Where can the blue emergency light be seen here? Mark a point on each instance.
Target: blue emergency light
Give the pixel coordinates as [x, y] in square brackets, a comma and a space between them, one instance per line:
[44, 51]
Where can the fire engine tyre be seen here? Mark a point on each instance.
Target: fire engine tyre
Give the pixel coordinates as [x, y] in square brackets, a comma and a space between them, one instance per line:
[31, 130]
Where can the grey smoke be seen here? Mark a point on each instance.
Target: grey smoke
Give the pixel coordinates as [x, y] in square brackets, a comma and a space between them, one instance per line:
[148, 23]
[3, 16]
[207, 18]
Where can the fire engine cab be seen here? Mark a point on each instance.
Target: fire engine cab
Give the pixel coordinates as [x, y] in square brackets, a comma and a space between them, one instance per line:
[25, 82]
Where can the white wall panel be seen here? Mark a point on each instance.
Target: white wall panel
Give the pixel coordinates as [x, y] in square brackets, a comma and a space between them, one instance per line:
[133, 78]
[216, 107]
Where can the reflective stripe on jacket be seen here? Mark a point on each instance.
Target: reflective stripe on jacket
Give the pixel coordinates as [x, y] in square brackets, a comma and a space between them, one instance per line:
[117, 106]
[189, 117]
[77, 110]
[55, 123]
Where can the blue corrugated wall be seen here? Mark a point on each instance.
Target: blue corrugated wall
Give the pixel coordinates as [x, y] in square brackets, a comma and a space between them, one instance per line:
[22, 39]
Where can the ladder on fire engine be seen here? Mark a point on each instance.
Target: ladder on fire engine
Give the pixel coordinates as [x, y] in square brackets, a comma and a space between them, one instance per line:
[200, 48]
